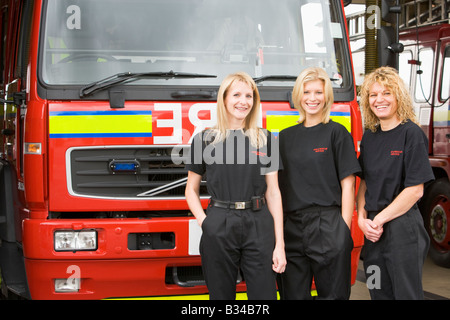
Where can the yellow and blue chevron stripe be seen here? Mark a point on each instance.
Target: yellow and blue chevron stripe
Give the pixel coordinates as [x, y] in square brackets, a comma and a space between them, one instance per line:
[279, 120]
[100, 124]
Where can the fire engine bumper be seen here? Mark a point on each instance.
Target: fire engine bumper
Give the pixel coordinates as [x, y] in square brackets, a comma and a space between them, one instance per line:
[131, 258]
[100, 279]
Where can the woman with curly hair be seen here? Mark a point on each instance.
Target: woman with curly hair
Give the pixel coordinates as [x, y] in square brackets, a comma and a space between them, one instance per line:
[395, 167]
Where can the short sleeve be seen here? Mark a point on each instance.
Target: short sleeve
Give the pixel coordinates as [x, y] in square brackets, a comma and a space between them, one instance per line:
[345, 155]
[416, 163]
[361, 159]
[273, 162]
[195, 161]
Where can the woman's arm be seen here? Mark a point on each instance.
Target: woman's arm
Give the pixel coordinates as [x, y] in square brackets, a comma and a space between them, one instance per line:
[273, 198]
[401, 204]
[370, 229]
[348, 199]
[192, 194]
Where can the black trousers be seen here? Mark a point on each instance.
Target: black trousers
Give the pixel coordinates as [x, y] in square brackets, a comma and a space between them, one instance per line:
[318, 244]
[393, 264]
[238, 239]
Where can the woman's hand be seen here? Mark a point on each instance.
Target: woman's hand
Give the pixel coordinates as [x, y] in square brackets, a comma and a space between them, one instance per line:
[371, 230]
[273, 199]
[192, 193]
[279, 259]
[200, 219]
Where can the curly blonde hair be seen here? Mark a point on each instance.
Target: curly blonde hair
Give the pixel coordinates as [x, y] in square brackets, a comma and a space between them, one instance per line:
[388, 78]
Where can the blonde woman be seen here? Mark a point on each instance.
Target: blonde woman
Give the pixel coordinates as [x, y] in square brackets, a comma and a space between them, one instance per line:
[395, 166]
[242, 228]
[318, 191]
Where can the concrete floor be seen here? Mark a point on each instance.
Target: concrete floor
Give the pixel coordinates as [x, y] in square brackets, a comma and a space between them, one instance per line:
[436, 283]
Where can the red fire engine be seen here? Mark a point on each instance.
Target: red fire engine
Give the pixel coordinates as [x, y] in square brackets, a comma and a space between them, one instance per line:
[425, 66]
[99, 99]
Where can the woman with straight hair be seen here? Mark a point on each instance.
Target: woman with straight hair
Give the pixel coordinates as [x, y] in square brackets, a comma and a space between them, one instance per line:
[317, 184]
[242, 226]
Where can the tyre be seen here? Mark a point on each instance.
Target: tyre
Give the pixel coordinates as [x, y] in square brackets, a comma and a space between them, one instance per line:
[435, 209]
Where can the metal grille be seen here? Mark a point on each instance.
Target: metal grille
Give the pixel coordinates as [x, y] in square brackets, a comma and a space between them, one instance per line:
[125, 172]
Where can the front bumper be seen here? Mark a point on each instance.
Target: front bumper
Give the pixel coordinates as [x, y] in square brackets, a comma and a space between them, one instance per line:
[116, 268]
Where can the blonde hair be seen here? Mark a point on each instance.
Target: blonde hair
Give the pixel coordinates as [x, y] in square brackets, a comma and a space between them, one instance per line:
[388, 78]
[312, 74]
[220, 131]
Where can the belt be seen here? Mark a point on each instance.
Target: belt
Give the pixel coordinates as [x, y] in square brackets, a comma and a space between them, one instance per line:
[255, 204]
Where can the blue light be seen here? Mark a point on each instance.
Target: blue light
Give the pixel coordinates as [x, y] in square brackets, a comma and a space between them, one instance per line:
[124, 166]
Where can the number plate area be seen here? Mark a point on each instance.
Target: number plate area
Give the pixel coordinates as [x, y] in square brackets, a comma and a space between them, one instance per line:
[195, 234]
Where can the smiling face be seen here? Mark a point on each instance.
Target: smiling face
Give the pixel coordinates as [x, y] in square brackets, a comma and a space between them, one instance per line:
[313, 99]
[238, 103]
[383, 103]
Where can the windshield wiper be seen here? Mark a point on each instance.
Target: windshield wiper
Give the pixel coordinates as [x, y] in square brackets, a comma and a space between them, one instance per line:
[283, 78]
[130, 76]
[275, 78]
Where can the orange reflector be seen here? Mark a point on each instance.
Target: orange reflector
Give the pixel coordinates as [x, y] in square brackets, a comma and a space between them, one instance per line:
[32, 148]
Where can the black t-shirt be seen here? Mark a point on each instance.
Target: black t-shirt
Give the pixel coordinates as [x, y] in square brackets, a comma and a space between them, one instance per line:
[391, 161]
[235, 170]
[315, 160]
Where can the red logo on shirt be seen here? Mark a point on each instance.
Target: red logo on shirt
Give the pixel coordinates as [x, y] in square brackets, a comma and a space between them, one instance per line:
[320, 150]
[258, 153]
[396, 153]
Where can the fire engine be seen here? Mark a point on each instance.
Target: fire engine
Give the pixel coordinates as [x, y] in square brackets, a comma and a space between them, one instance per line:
[99, 98]
[425, 67]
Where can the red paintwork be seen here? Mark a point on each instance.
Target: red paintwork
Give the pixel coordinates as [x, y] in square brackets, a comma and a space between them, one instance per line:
[112, 270]
[436, 37]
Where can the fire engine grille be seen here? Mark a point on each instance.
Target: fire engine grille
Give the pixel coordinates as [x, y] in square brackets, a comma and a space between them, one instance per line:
[127, 172]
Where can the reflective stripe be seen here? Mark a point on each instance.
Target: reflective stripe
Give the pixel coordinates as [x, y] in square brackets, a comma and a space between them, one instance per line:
[239, 296]
[343, 118]
[109, 124]
[279, 120]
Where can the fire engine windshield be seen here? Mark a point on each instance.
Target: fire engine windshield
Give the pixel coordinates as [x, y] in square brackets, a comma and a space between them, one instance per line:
[85, 41]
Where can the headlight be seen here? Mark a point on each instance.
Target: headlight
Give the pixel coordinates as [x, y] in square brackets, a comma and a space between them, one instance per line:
[70, 240]
[67, 285]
